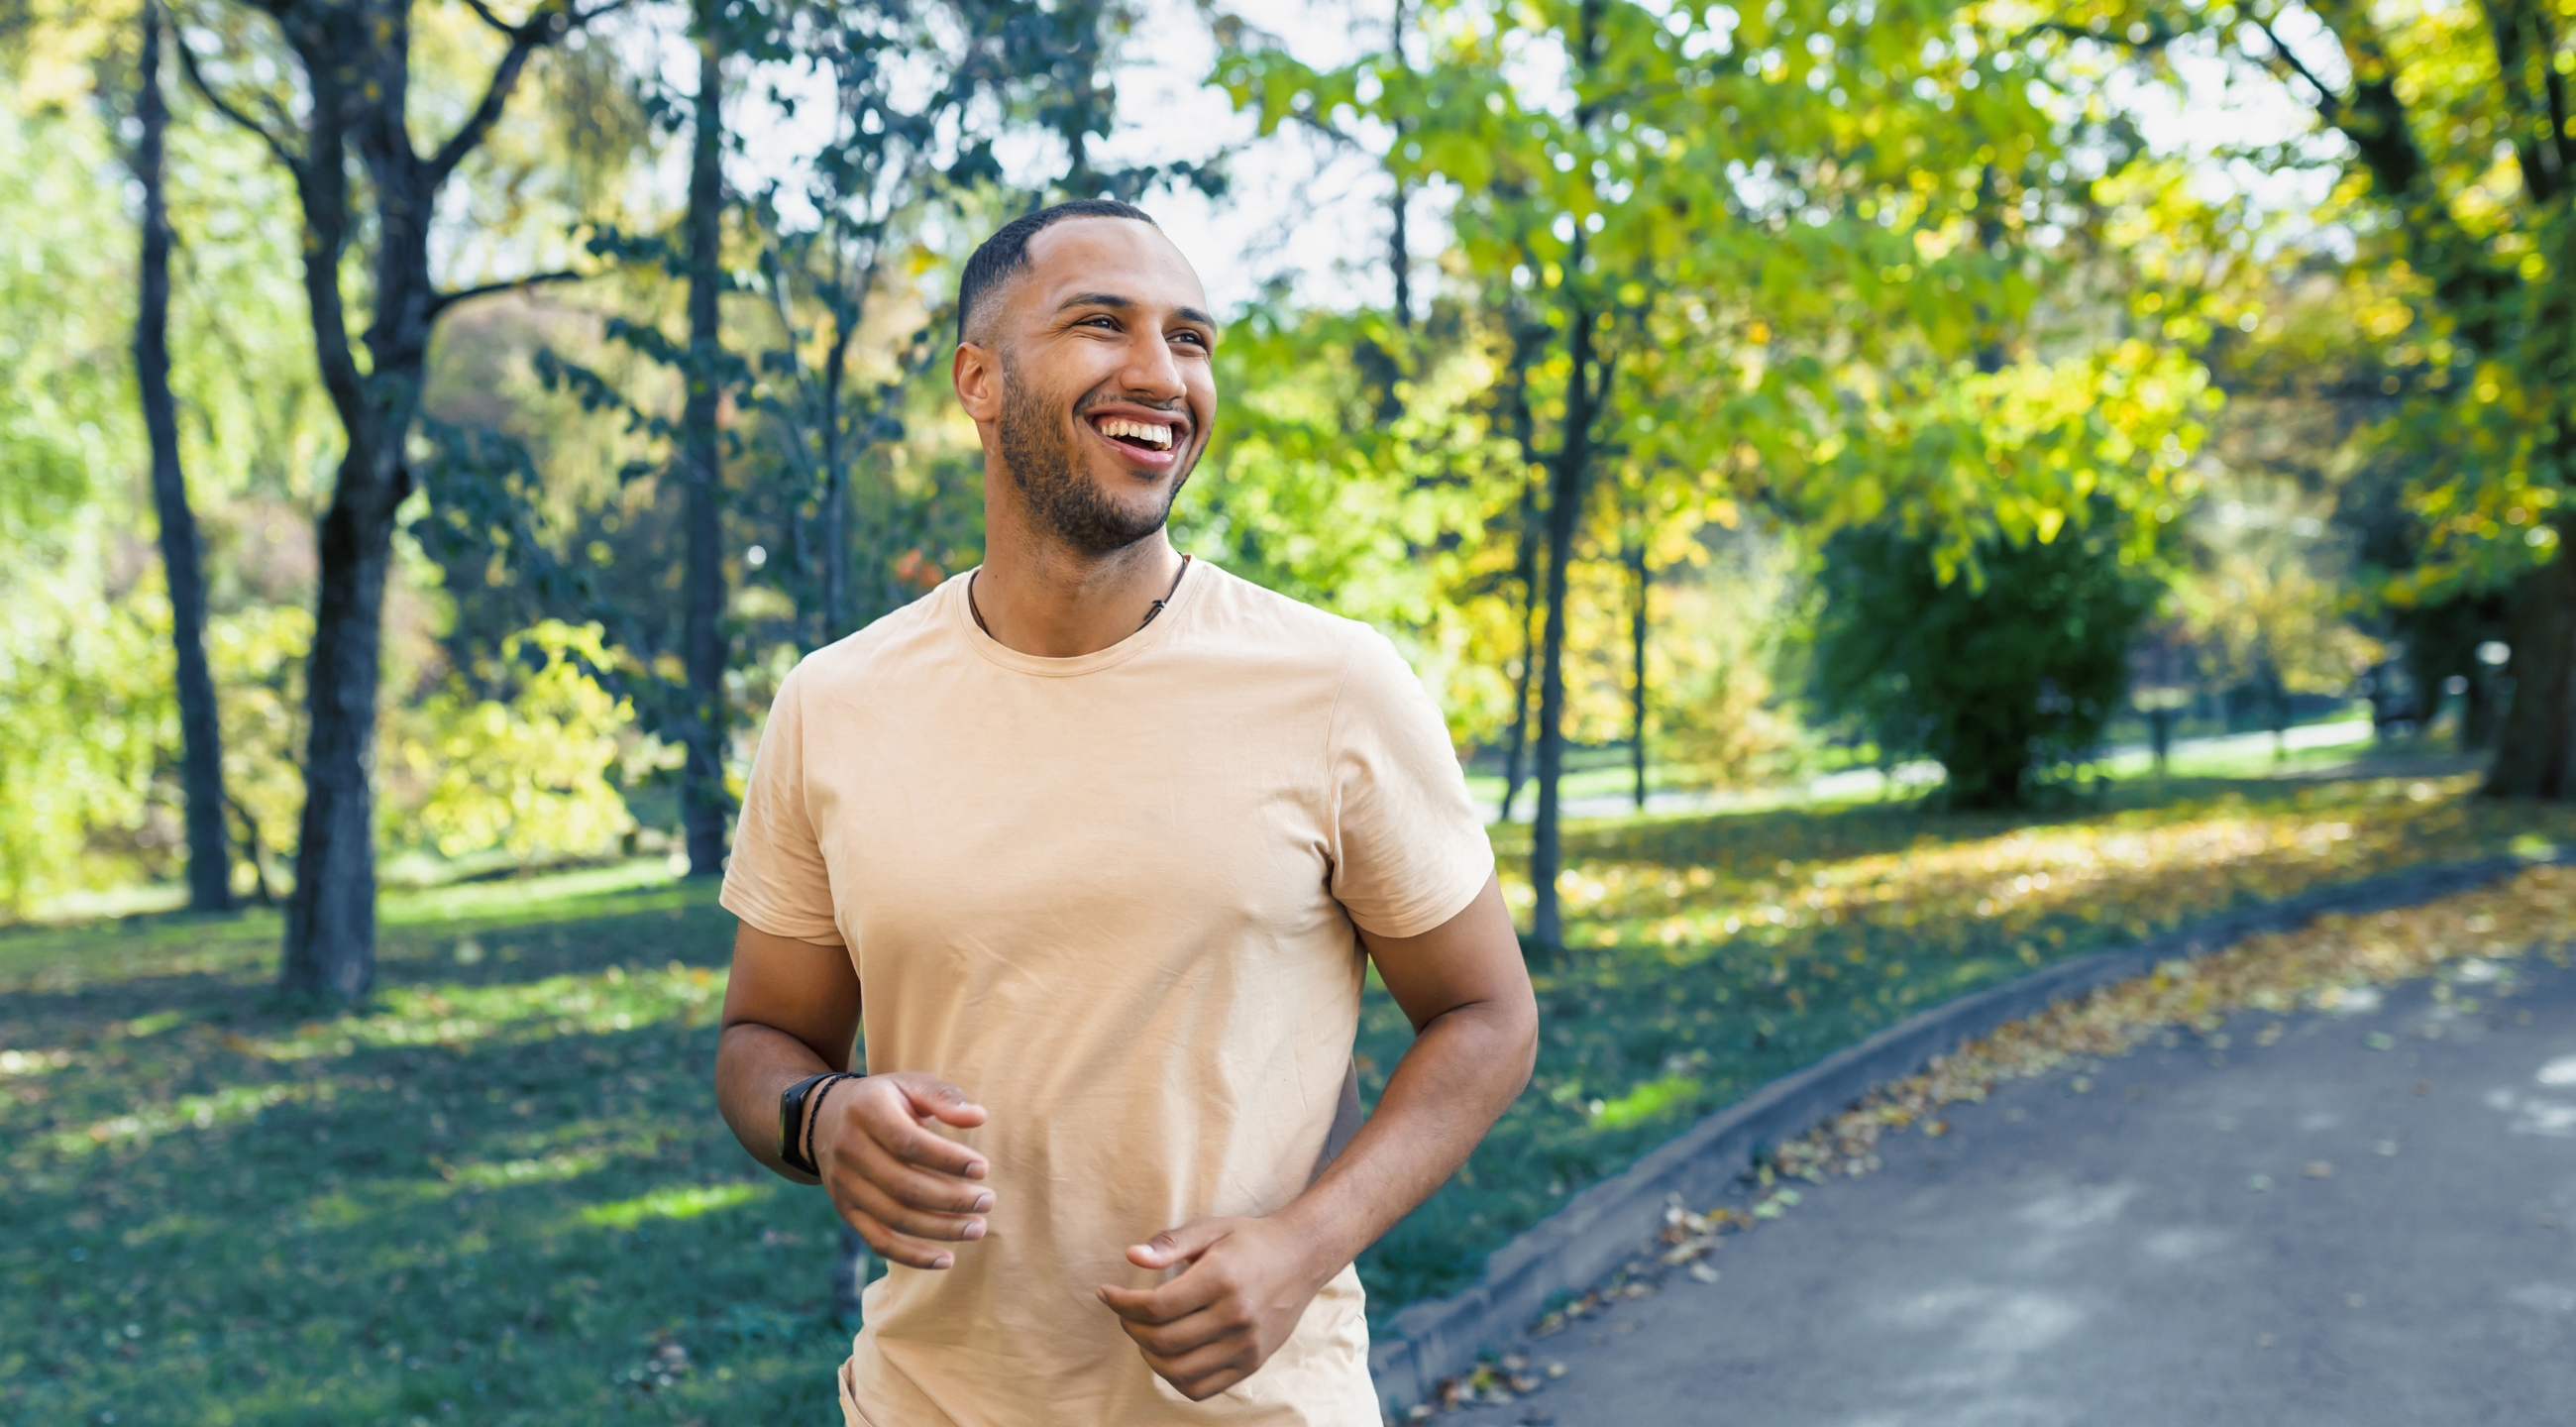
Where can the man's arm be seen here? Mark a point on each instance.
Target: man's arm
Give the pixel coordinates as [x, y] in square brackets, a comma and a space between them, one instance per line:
[792, 1010]
[1475, 1022]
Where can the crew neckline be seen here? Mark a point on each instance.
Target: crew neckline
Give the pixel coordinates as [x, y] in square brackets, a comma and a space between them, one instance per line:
[961, 617]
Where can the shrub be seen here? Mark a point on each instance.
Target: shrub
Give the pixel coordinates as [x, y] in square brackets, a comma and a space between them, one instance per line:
[2000, 678]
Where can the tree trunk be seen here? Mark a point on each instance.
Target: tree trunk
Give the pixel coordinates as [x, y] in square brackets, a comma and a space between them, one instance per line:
[2536, 745]
[702, 791]
[331, 910]
[201, 766]
[1637, 647]
[1526, 573]
[1564, 511]
[836, 491]
[1399, 248]
[331, 913]
[356, 61]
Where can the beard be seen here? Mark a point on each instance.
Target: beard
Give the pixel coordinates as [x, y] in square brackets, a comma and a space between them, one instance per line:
[1061, 493]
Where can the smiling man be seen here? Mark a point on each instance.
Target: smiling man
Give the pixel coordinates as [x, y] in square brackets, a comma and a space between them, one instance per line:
[1096, 842]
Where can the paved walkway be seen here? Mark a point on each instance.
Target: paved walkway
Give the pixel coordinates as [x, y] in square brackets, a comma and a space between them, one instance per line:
[2370, 1221]
[1905, 777]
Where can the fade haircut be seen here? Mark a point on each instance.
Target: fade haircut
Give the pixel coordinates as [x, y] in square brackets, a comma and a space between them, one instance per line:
[1007, 251]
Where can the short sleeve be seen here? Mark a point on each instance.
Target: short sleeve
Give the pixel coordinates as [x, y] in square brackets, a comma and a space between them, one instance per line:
[1409, 851]
[776, 879]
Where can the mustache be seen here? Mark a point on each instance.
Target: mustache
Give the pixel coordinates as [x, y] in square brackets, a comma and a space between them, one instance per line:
[1178, 406]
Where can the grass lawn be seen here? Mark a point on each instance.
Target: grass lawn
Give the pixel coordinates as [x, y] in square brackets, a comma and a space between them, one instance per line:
[500, 1193]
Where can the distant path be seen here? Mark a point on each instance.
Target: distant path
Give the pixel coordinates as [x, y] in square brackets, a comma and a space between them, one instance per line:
[2066, 1258]
[1870, 782]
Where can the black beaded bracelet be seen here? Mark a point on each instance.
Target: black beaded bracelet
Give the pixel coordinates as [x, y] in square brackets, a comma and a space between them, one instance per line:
[795, 1127]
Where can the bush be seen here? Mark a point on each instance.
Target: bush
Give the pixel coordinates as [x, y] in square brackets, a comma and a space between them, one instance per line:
[1999, 680]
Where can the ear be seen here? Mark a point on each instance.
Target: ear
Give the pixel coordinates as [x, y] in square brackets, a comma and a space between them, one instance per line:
[977, 373]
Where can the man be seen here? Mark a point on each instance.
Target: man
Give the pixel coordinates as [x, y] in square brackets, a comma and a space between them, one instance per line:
[1092, 842]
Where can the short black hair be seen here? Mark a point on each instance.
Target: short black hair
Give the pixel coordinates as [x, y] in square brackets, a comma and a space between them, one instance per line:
[1007, 251]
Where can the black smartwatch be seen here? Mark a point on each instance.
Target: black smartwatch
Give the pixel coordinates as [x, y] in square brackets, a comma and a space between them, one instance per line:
[795, 1136]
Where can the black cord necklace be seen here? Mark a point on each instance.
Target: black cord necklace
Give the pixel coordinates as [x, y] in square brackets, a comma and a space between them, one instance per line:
[975, 610]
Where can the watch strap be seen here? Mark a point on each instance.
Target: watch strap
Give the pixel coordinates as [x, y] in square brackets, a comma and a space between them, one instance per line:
[795, 1136]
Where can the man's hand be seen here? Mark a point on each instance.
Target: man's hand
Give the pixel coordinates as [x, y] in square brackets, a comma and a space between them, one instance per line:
[1464, 988]
[1247, 1283]
[905, 1189]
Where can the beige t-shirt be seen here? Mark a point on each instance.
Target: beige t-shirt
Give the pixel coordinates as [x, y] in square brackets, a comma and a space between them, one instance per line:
[1110, 897]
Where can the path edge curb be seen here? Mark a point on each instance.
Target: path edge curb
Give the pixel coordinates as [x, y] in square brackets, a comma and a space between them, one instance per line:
[1607, 1223]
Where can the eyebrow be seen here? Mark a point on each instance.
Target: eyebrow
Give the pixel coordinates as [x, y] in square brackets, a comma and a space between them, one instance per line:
[1115, 303]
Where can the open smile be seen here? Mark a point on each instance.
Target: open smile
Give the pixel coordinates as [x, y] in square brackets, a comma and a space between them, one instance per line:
[1150, 441]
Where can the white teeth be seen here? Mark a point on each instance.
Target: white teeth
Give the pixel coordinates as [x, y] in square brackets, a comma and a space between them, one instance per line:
[1161, 436]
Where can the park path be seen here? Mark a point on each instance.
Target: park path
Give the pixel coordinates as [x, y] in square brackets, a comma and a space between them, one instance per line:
[2369, 1220]
[1875, 783]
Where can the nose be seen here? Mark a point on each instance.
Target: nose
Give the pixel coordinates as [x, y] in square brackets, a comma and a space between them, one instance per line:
[1151, 372]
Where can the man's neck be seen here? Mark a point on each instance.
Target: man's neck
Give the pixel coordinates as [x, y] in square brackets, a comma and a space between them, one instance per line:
[1039, 597]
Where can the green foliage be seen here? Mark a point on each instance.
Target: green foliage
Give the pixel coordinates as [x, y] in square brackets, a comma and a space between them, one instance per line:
[2453, 159]
[2000, 679]
[83, 664]
[533, 773]
[85, 700]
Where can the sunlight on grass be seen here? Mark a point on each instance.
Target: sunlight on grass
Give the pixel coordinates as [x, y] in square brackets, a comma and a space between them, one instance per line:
[1646, 1102]
[529, 1171]
[679, 1202]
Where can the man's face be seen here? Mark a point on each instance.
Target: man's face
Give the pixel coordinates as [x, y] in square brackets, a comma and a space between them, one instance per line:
[1105, 388]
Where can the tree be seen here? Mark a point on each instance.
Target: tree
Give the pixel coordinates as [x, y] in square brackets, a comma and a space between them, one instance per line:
[2452, 129]
[182, 554]
[1789, 259]
[2001, 678]
[703, 803]
[354, 60]
[888, 158]
[2266, 605]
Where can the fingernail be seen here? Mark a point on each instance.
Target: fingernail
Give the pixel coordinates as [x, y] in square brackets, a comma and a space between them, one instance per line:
[983, 1202]
[974, 1230]
[943, 1261]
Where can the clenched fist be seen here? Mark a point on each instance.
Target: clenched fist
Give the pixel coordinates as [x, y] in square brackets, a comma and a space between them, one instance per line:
[905, 1189]
[1213, 1325]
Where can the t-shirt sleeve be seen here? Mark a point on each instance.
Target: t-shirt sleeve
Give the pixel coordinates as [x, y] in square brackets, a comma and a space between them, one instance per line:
[1409, 851]
[776, 879]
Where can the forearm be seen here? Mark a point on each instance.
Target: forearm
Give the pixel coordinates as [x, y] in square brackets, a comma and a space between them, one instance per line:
[754, 1065]
[1463, 1070]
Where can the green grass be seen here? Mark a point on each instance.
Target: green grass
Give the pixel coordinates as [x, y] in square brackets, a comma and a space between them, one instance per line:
[493, 1195]
[500, 1192]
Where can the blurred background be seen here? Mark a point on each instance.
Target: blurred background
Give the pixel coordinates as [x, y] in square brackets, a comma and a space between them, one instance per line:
[1889, 493]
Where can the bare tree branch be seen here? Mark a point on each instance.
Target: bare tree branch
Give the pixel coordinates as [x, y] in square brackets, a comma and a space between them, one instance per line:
[539, 30]
[524, 41]
[2329, 103]
[446, 300]
[205, 91]
[484, 12]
